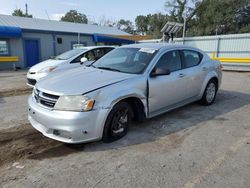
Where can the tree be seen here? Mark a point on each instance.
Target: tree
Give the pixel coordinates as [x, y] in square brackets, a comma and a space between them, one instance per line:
[74, 16]
[156, 23]
[19, 12]
[141, 23]
[178, 9]
[126, 26]
[151, 24]
[242, 19]
[224, 16]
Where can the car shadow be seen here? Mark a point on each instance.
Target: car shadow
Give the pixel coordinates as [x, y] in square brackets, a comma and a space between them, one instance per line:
[189, 116]
[184, 118]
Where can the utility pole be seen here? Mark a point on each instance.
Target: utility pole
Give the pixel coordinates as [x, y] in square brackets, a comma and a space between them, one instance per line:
[78, 38]
[184, 24]
[26, 9]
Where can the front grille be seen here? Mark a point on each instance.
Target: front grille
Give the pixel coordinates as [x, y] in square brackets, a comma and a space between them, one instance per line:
[45, 99]
[31, 82]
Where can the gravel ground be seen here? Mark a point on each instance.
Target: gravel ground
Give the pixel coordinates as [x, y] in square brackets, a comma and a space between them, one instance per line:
[194, 146]
[13, 83]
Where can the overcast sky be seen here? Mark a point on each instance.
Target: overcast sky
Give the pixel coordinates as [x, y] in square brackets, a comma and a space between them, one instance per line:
[94, 9]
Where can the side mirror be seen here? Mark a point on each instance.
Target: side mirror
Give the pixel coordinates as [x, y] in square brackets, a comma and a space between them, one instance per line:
[83, 60]
[159, 72]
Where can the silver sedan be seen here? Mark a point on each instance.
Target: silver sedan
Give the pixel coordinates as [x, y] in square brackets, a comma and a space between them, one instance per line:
[130, 83]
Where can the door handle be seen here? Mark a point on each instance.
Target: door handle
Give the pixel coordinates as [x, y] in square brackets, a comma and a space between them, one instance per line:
[181, 75]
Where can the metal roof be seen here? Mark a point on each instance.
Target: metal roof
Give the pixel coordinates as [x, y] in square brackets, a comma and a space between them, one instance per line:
[57, 26]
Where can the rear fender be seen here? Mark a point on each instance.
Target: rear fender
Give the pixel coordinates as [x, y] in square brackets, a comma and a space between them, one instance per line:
[210, 75]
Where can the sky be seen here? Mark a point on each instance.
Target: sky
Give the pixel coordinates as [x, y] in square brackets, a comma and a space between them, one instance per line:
[94, 9]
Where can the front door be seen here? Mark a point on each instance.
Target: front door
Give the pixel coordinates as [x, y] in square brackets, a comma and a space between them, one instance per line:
[31, 52]
[166, 91]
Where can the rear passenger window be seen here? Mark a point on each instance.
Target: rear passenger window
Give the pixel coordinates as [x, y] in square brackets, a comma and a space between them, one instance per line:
[170, 60]
[191, 58]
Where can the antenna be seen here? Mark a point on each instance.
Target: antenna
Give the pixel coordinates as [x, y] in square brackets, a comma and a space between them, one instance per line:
[47, 14]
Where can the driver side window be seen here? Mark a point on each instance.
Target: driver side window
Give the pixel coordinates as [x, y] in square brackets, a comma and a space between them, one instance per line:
[170, 60]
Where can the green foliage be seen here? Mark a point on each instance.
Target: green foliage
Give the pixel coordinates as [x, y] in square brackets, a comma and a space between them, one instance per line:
[142, 24]
[245, 29]
[151, 24]
[75, 17]
[223, 17]
[204, 17]
[126, 26]
[19, 12]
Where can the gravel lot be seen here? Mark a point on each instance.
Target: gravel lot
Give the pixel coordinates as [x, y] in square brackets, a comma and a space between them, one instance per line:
[194, 146]
[13, 83]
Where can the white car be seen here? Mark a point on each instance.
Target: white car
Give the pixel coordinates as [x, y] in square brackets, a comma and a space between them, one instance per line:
[70, 59]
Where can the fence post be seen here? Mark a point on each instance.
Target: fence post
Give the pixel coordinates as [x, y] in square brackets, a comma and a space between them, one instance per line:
[218, 47]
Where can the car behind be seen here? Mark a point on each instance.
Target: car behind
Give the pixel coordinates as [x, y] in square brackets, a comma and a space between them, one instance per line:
[70, 59]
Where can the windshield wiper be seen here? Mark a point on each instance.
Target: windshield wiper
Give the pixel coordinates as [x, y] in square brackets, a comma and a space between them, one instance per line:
[108, 68]
[91, 66]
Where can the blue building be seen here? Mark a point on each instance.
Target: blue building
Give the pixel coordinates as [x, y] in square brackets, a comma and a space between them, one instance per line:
[27, 41]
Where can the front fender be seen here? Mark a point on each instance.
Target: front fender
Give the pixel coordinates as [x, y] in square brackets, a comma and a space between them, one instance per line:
[123, 94]
[108, 96]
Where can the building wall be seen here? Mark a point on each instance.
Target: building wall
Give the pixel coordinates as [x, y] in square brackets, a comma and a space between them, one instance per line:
[235, 45]
[49, 46]
[46, 44]
[15, 49]
[69, 40]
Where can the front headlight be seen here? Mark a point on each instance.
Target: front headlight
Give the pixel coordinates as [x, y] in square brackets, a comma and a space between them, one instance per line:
[74, 103]
[47, 69]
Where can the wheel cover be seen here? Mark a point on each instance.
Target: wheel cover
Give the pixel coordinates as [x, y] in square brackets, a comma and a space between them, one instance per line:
[119, 122]
[210, 92]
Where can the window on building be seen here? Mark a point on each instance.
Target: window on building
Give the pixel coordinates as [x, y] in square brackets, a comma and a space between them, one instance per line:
[4, 49]
[59, 40]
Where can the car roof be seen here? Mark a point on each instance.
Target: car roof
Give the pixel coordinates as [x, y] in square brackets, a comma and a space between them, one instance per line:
[94, 47]
[158, 46]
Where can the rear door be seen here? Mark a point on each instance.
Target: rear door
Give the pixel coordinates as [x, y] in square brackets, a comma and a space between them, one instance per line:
[167, 90]
[194, 71]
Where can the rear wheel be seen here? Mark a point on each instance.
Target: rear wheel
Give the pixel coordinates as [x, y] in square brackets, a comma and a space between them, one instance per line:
[117, 123]
[210, 92]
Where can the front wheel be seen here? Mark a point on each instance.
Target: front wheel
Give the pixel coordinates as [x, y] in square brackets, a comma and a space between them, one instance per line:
[210, 92]
[117, 123]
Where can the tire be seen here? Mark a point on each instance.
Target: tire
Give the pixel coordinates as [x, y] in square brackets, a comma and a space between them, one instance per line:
[209, 94]
[117, 123]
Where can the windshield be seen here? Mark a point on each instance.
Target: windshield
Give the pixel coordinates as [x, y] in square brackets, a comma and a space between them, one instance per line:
[127, 60]
[69, 54]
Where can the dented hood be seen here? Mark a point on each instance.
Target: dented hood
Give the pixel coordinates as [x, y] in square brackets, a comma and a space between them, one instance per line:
[80, 80]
